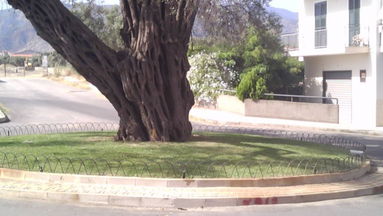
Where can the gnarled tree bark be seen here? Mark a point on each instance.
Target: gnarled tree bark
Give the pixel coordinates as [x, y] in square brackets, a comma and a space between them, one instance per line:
[146, 82]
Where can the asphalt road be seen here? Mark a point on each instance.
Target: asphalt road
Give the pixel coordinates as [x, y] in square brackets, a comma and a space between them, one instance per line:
[43, 101]
[363, 206]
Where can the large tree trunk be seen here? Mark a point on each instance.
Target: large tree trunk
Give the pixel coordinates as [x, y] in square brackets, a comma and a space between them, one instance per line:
[146, 82]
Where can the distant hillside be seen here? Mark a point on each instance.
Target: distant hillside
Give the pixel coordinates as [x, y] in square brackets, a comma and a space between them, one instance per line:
[18, 35]
[289, 19]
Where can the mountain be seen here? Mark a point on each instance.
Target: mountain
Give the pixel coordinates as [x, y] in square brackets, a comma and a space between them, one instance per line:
[18, 35]
[289, 19]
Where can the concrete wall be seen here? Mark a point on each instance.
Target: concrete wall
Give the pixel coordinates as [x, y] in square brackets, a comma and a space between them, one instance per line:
[280, 109]
[292, 110]
[379, 114]
[230, 104]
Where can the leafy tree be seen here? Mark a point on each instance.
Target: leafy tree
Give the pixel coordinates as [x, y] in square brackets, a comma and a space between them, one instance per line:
[17, 61]
[55, 59]
[266, 66]
[227, 21]
[105, 22]
[145, 80]
[253, 84]
[4, 59]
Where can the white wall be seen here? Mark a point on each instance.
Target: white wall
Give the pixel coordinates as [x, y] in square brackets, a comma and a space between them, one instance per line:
[364, 98]
[379, 72]
[337, 24]
[367, 107]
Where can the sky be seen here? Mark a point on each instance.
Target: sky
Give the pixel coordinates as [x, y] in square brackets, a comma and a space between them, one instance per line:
[291, 5]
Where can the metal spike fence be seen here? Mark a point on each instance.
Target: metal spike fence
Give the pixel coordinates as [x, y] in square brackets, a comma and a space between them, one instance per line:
[18, 130]
[339, 141]
[171, 169]
[179, 169]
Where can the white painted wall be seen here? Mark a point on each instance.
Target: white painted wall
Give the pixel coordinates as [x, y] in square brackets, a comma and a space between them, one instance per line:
[363, 102]
[337, 25]
[367, 107]
[379, 70]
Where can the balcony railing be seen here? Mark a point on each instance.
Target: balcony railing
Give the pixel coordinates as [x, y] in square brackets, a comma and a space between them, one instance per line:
[334, 39]
[358, 36]
[290, 41]
[320, 38]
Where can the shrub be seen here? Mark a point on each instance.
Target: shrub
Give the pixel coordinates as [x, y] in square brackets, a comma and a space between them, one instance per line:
[252, 85]
[207, 77]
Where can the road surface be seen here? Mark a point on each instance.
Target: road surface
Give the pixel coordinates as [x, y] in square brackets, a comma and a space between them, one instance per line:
[43, 101]
[363, 206]
[34, 101]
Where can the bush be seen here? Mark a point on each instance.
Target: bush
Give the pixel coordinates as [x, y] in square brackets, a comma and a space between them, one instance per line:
[207, 77]
[252, 85]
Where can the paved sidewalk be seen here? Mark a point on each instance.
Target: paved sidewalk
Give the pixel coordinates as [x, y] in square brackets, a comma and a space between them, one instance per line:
[188, 197]
[227, 118]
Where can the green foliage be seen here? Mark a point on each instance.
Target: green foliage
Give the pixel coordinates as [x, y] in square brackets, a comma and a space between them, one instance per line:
[113, 25]
[227, 21]
[4, 59]
[206, 77]
[258, 65]
[266, 67]
[252, 84]
[105, 22]
[17, 61]
[36, 61]
[55, 60]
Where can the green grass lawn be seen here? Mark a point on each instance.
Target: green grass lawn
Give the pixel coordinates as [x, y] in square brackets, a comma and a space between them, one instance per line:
[206, 155]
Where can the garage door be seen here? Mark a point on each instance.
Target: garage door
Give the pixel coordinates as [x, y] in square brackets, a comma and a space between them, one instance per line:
[337, 84]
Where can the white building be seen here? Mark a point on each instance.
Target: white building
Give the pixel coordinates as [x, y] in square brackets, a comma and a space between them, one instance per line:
[341, 44]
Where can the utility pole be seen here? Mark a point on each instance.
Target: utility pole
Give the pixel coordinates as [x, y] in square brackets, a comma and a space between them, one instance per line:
[5, 69]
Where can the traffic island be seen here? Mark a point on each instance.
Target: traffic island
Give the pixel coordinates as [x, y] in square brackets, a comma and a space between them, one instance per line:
[235, 167]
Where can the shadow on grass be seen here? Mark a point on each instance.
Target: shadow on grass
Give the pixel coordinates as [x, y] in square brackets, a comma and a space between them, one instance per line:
[203, 147]
[206, 155]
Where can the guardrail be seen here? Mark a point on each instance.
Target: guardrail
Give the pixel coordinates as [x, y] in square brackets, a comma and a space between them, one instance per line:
[302, 96]
[290, 41]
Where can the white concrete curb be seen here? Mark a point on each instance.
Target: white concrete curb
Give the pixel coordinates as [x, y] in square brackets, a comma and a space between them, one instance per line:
[371, 185]
[185, 183]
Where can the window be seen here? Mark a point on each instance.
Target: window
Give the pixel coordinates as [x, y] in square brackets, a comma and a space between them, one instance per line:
[354, 22]
[320, 24]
